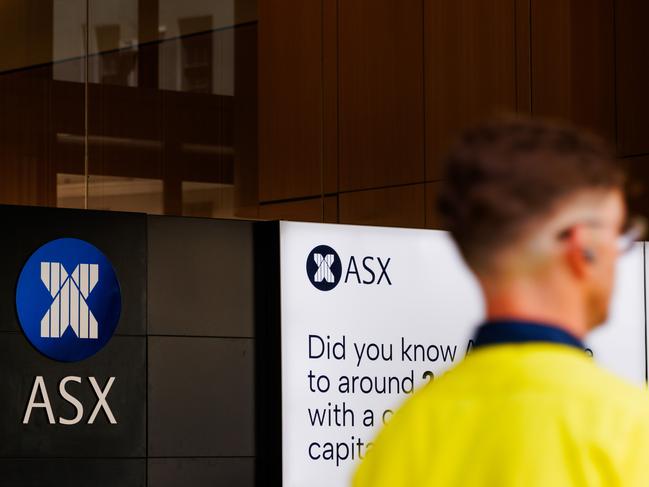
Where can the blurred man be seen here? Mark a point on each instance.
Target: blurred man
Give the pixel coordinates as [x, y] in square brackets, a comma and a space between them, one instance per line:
[538, 212]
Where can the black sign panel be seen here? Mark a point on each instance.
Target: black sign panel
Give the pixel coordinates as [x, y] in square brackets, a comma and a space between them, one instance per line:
[88, 408]
[32, 434]
[168, 397]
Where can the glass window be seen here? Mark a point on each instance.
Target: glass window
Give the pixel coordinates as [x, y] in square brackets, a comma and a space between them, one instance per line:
[133, 105]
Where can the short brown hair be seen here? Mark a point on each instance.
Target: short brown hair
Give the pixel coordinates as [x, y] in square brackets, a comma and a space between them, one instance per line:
[506, 172]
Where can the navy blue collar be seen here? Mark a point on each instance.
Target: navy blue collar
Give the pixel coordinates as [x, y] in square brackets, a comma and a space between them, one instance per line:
[513, 331]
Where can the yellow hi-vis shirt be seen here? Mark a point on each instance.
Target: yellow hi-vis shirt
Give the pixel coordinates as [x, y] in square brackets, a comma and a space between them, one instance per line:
[533, 414]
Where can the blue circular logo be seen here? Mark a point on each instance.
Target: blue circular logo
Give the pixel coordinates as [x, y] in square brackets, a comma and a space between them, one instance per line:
[323, 268]
[68, 300]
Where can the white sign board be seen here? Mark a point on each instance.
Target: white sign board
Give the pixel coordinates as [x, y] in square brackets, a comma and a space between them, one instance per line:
[619, 345]
[370, 313]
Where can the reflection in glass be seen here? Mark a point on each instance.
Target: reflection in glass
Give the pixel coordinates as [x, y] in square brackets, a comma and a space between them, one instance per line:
[68, 40]
[167, 116]
[208, 199]
[209, 57]
[70, 190]
[110, 193]
[114, 35]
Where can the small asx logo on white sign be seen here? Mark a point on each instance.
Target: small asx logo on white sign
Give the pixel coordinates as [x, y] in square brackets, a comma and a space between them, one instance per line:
[324, 269]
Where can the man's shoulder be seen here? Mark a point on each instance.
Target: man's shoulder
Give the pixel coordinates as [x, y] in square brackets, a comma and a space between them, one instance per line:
[552, 371]
[610, 390]
[498, 392]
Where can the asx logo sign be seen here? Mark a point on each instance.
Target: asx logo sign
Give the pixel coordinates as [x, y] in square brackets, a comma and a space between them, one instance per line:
[324, 268]
[101, 393]
[68, 300]
[70, 306]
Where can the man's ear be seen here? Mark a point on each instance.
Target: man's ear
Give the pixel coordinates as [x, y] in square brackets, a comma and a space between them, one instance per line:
[579, 256]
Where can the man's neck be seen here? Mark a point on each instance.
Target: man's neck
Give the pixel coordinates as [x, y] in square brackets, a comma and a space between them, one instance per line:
[541, 306]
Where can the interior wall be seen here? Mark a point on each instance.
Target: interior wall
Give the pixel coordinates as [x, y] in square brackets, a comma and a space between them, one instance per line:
[324, 110]
[390, 85]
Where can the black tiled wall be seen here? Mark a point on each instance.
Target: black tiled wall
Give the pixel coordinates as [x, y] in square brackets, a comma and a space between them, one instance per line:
[201, 352]
[183, 355]
[102, 454]
[200, 277]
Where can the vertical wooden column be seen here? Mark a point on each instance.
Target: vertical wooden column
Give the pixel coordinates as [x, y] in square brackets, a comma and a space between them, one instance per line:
[330, 114]
[471, 56]
[522, 25]
[381, 98]
[573, 62]
[290, 110]
[632, 91]
[632, 82]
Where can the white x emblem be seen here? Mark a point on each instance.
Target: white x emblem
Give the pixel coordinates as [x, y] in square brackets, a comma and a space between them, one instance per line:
[69, 308]
[324, 268]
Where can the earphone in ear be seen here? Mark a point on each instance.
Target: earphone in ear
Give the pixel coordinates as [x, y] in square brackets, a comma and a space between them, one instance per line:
[589, 255]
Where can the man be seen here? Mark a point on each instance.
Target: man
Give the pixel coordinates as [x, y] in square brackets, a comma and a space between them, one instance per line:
[537, 211]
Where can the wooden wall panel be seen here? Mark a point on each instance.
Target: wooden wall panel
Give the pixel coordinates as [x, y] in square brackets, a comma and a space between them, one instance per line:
[638, 184]
[309, 210]
[632, 43]
[330, 95]
[401, 206]
[573, 64]
[331, 209]
[470, 68]
[290, 98]
[523, 57]
[432, 216]
[381, 102]
[316, 210]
